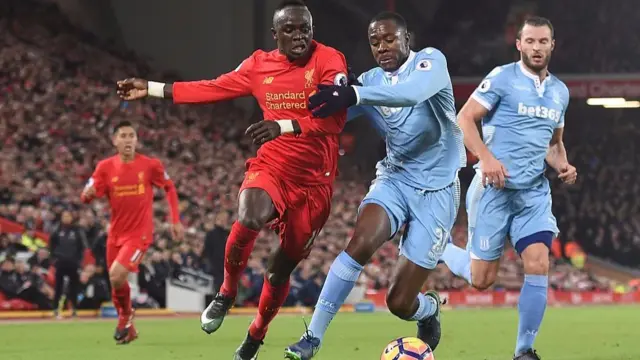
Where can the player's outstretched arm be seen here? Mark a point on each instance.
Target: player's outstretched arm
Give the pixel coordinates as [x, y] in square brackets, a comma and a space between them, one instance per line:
[231, 85]
[428, 78]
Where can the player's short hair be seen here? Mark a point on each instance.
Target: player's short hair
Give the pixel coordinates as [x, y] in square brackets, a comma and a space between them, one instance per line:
[290, 3]
[284, 4]
[390, 15]
[121, 124]
[537, 21]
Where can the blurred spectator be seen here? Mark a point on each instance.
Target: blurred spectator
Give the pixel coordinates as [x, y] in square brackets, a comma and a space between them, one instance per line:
[94, 289]
[214, 246]
[67, 244]
[153, 275]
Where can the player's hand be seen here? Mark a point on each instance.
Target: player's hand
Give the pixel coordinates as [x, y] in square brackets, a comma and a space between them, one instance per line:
[132, 89]
[330, 99]
[493, 172]
[263, 131]
[89, 192]
[177, 232]
[352, 78]
[568, 174]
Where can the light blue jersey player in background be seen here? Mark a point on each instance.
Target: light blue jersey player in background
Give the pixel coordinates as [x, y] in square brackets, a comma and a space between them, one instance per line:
[522, 108]
[410, 98]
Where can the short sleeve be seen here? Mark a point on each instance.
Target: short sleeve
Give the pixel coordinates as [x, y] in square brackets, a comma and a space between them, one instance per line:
[491, 89]
[334, 69]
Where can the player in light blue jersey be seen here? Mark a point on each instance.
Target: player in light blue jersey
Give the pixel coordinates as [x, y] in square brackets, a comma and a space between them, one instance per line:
[410, 99]
[522, 108]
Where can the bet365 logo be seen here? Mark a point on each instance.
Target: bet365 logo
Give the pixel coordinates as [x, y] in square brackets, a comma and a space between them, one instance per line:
[542, 112]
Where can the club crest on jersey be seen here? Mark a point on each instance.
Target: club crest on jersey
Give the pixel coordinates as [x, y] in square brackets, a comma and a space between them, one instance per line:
[340, 80]
[423, 65]
[542, 112]
[308, 78]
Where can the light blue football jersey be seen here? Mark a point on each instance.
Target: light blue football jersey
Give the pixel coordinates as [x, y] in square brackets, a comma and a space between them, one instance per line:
[414, 109]
[523, 114]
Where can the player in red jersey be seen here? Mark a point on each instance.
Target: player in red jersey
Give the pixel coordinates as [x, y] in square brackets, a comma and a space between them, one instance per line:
[290, 180]
[127, 180]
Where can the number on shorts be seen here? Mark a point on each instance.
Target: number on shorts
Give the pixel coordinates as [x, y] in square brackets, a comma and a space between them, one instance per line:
[442, 237]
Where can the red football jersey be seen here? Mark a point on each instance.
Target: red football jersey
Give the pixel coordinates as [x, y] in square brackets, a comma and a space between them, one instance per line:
[282, 89]
[129, 188]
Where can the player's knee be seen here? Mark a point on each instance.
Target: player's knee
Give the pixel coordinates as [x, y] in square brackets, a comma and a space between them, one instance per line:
[117, 276]
[117, 279]
[276, 279]
[482, 280]
[252, 221]
[536, 263]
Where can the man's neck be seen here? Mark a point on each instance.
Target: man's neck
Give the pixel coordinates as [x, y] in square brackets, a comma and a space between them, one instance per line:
[542, 74]
[127, 158]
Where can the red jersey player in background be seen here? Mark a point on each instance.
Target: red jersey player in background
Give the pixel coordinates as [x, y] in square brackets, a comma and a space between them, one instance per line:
[127, 180]
[290, 181]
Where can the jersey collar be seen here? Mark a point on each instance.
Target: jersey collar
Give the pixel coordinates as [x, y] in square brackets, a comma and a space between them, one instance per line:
[535, 78]
[540, 85]
[404, 66]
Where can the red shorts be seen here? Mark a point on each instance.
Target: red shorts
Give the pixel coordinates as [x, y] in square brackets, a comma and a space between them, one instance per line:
[127, 250]
[303, 210]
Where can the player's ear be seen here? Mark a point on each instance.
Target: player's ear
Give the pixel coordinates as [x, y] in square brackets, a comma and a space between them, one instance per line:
[518, 45]
[274, 34]
[553, 44]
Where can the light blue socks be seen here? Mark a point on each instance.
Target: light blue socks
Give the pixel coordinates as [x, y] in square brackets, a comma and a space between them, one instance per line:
[531, 307]
[340, 281]
[458, 260]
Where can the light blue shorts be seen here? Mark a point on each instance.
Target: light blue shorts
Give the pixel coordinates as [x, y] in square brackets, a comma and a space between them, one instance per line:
[493, 214]
[429, 216]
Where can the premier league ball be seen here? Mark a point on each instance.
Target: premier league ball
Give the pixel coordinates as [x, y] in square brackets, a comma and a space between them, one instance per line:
[407, 348]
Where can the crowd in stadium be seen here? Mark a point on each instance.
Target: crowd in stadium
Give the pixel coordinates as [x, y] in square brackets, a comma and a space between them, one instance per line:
[59, 103]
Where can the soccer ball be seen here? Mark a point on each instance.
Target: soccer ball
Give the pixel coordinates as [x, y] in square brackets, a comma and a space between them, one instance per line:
[407, 348]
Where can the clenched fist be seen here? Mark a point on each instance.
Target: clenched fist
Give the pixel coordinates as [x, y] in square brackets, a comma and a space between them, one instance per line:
[133, 89]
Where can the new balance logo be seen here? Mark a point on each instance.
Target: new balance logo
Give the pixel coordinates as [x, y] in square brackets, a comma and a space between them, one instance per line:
[268, 80]
[542, 112]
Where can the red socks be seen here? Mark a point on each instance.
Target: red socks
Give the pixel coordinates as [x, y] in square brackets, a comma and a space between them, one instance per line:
[237, 251]
[121, 298]
[271, 300]
[239, 246]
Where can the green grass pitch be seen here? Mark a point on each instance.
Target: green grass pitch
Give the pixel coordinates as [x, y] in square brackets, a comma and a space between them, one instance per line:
[584, 333]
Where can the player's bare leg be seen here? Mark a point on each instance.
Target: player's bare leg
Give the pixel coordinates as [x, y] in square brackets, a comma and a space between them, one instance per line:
[121, 295]
[275, 290]
[255, 210]
[406, 301]
[484, 273]
[373, 229]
